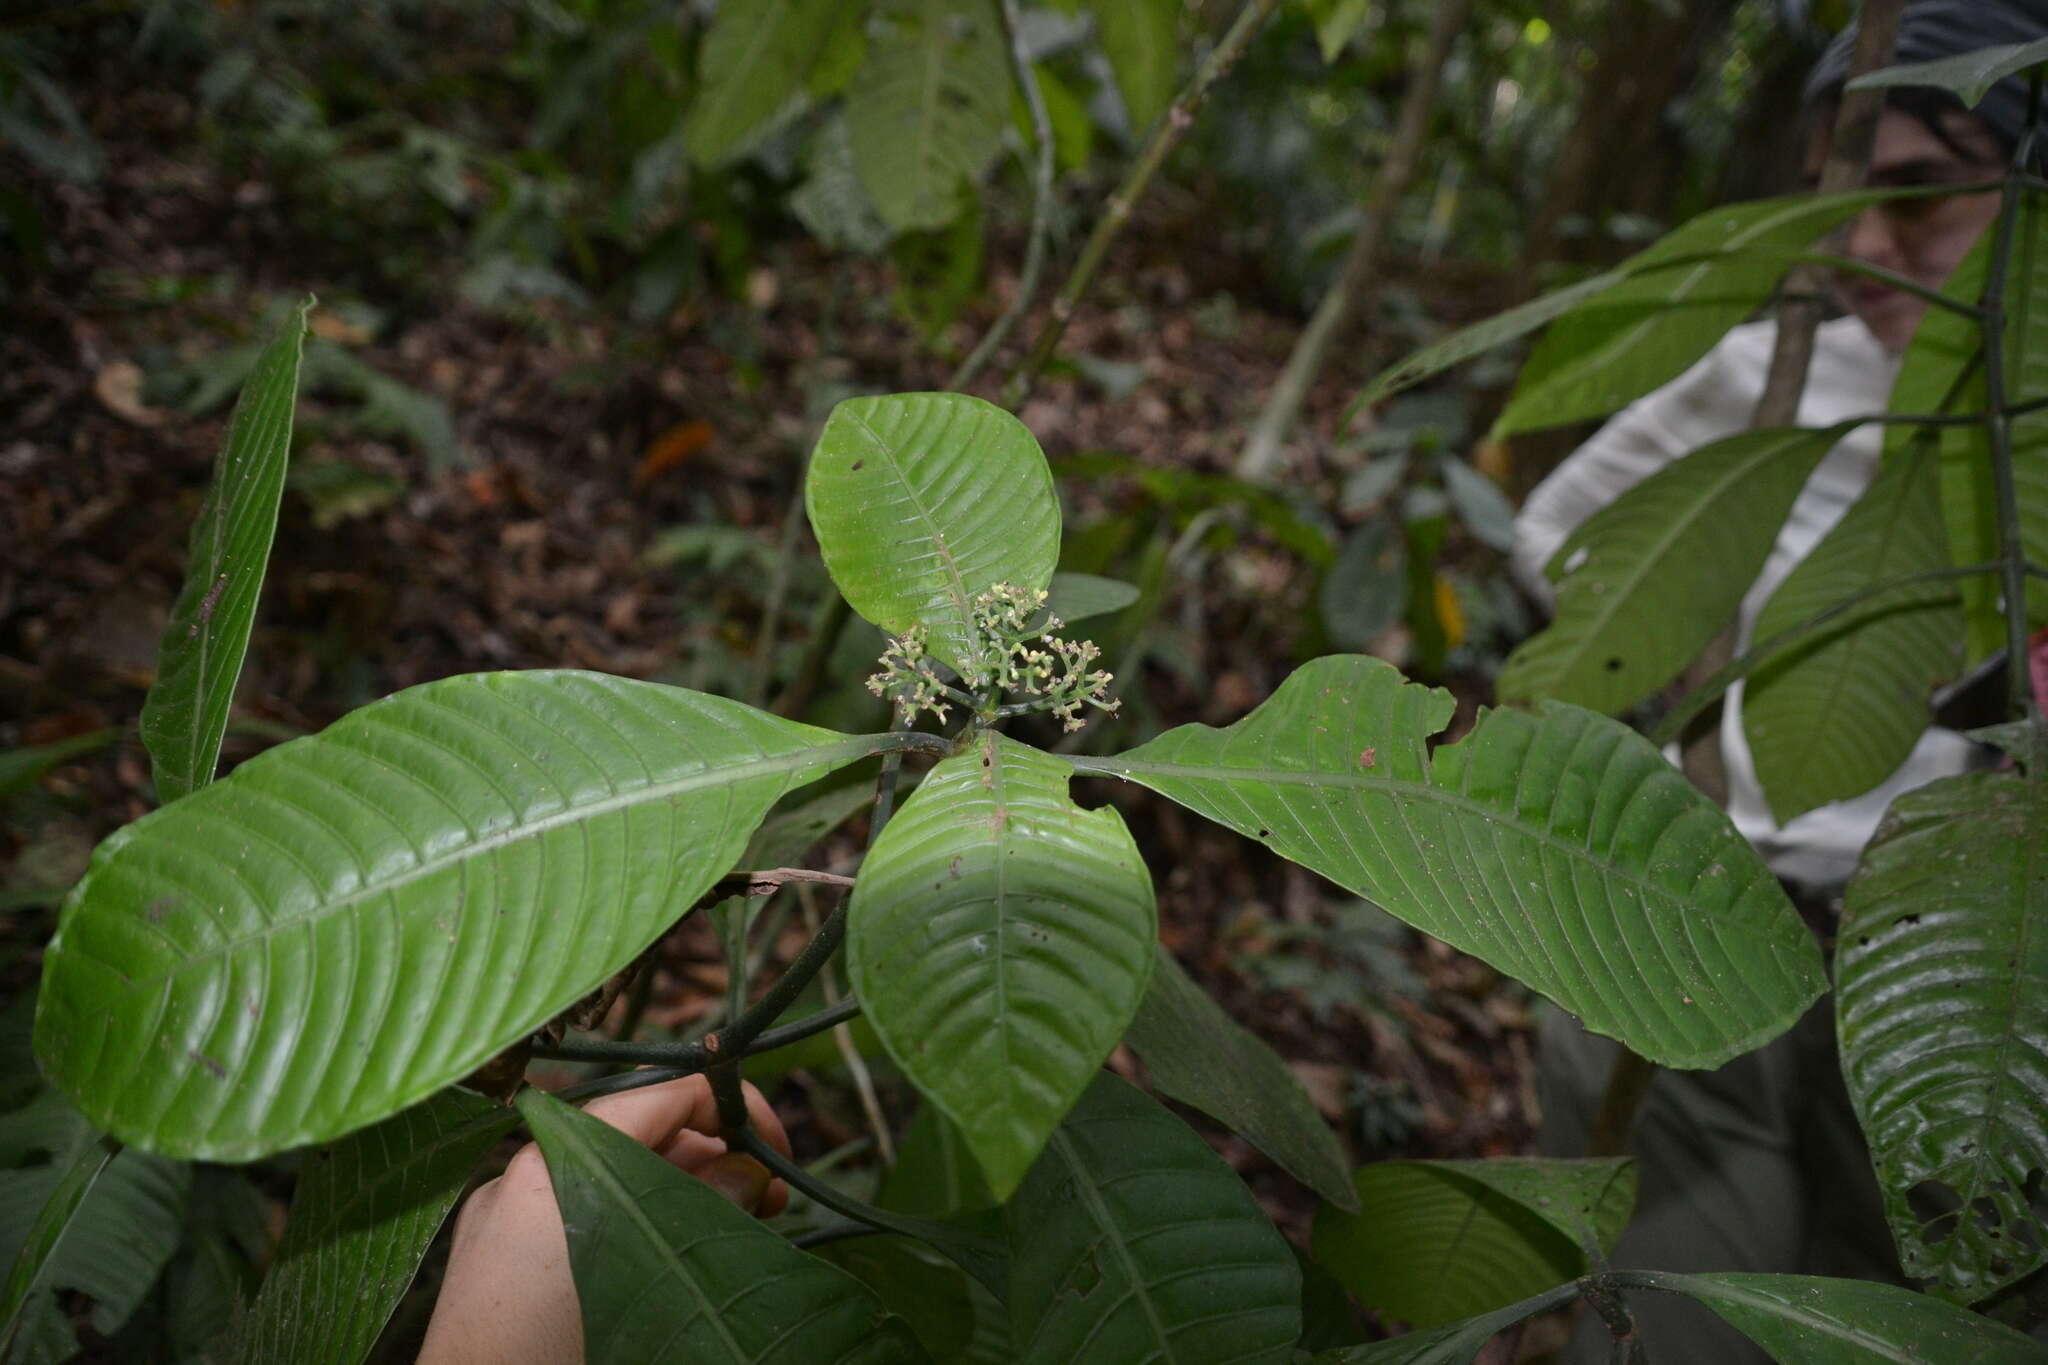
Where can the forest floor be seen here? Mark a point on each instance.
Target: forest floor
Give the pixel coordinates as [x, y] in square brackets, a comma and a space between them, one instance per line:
[585, 520]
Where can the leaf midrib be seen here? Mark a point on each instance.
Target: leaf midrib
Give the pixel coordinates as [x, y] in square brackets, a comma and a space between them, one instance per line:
[1098, 1213]
[957, 585]
[851, 748]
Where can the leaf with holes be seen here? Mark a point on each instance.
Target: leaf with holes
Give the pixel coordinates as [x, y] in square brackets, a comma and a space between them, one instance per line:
[1942, 1006]
[1633, 606]
[1659, 318]
[352, 921]
[1132, 1240]
[1808, 1320]
[200, 656]
[1000, 938]
[362, 1217]
[1197, 1054]
[928, 107]
[923, 501]
[1837, 712]
[755, 58]
[1436, 1241]
[1558, 846]
[668, 1269]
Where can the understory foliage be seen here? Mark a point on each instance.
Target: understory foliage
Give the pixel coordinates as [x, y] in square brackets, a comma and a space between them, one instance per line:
[326, 948]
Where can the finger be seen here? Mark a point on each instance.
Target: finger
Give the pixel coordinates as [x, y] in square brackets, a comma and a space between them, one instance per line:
[738, 1177]
[766, 1121]
[653, 1115]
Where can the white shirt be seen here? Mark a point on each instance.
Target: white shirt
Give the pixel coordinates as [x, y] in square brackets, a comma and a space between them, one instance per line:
[1851, 376]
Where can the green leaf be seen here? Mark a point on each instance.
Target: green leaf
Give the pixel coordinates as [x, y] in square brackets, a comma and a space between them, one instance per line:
[364, 1213]
[934, 1297]
[1540, 843]
[923, 501]
[1000, 938]
[667, 1269]
[934, 1175]
[754, 59]
[1654, 322]
[200, 656]
[1336, 21]
[353, 921]
[1943, 346]
[1197, 1054]
[928, 107]
[1942, 1007]
[1141, 38]
[1131, 1240]
[1436, 1241]
[1455, 1343]
[1635, 608]
[90, 1218]
[21, 769]
[1079, 596]
[1839, 711]
[1967, 75]
[1807, 1320]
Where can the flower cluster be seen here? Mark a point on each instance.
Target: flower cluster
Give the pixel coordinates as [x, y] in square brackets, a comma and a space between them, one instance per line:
[1016, 653]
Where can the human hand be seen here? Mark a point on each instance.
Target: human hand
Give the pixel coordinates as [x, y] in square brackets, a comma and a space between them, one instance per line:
[508, 1297]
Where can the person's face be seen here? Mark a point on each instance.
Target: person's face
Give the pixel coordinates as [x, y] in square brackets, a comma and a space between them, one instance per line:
[1922, 239]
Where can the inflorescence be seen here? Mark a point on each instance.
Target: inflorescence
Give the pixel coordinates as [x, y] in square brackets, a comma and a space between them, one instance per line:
[1011, 655]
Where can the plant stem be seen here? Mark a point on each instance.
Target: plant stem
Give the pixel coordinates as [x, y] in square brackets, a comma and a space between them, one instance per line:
[1041, 206]
[683, 1059]
[2012, 552]
[1628, 1080]
[1171, 128]
[1361, 263]
[778, 594]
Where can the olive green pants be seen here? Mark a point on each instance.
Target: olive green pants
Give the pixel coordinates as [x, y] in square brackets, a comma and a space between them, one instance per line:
[1758, 1165]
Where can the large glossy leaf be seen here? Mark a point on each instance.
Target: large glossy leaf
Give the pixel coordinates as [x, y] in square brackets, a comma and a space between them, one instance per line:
[755, 57]
[666, 1269]
[1132, 1241]
[1197, 1054]
[364, 1213]
[1558, 846]
[200, 656]
[1942, 1007]
[352, 921]
[1835, 714]
[1141, 38]
[1635, 602]
[1435, 1241]
[1653, 323]
[928, 107]
[923, 501]
[936, 1299]
[1000, 938]
[1456, 1343]
[125, 1215]
[1807, 1320]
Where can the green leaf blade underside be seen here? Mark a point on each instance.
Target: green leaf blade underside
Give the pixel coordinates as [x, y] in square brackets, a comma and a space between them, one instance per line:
[200, 656]
[126, 1211]
[1436, 1241]
[1942, 1008]
[353, 921]
[362, 1218]
[1809, 1320]
[1560, 847]
[667, 1269]
[1654, 322]
[1000, 938]
[1637, 607]
[1132, 1241]
[1197, 1054]
[1969, 76]
[1456, 1343]
[755, 57]
[1141, 38]
[923, 501]
[1835, 714]
[928, 107]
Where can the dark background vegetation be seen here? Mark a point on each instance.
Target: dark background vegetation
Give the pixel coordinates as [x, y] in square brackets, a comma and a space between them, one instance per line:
[563, 382]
